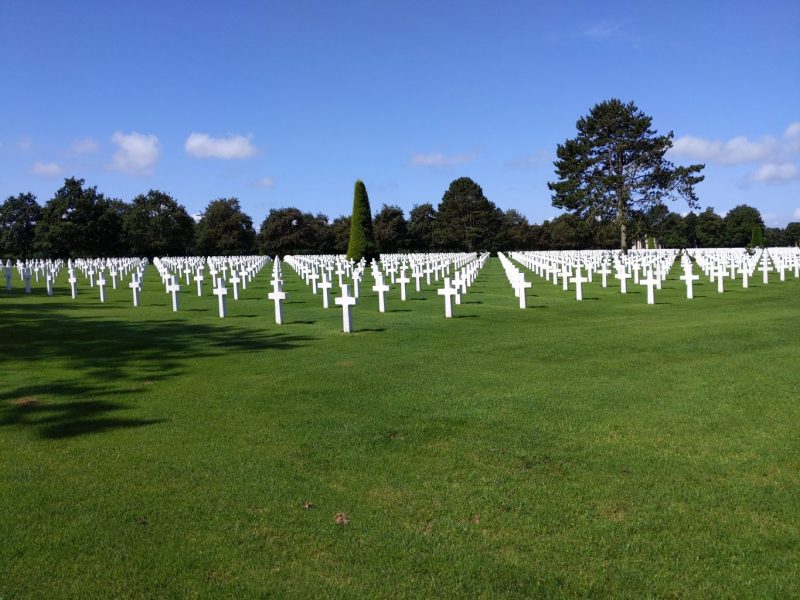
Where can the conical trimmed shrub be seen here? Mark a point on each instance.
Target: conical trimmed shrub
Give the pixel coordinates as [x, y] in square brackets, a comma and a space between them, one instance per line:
[362, 238]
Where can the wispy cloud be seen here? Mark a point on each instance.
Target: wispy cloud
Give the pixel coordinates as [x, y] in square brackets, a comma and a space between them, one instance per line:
[47, 170]
[437, 159]
[601, 31]
[797, 213]
[736, 151]
[265, 182]
[202, 145]
[776, 157]
[85, 145]
[530, 161]
[136, 154]
[776, 173]
[25, 144]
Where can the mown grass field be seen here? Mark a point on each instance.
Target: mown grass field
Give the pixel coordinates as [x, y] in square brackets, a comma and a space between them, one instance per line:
[595, 448]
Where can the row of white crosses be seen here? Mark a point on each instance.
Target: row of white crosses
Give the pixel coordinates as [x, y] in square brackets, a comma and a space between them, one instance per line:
[242, 271]
[516, 278]
[721, 263]
[646, 267]
[317, 271]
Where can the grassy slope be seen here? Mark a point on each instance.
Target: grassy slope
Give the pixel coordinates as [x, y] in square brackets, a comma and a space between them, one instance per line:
[576, 448]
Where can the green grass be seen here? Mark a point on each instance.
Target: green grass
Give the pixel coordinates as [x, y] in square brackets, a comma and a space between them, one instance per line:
[595, 448]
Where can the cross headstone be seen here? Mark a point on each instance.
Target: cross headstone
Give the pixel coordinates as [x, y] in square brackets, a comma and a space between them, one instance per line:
[520, 285]
[403, 280]
[449, 292]
[235, 282]
[278, 295]
[325, 285]
[101, 283]
[73, 288]
[135, 289]
[199, 279]
[174, 288]
[650, 281]
[579, 280]
[346, 301]
[220, 291]
[381, 288]
[689, 279]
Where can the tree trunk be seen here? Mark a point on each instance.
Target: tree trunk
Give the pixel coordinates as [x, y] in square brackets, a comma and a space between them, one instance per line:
[623, 225]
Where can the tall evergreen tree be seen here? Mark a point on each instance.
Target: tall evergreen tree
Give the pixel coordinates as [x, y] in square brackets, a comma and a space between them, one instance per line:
[616, 165]
[362, 237]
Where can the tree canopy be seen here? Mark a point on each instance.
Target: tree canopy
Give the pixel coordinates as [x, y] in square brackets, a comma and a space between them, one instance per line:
[467, 220]
[156, 225]
[391, 230]
[18, 218]
[80, 222]
[616, 165]
[224, 230]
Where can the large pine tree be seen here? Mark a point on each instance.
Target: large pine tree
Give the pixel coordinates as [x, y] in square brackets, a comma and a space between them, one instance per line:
[616, 165]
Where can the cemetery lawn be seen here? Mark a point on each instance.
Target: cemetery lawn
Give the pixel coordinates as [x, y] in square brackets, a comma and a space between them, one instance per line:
[595, 448]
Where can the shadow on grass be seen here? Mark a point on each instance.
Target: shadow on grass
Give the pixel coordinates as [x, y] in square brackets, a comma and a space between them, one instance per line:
[75, 363]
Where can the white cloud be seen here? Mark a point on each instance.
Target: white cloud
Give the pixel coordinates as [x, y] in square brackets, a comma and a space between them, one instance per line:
[85, 146]
[48, 170]
[735, 151]
[740, 149]
[203, 145]
[777, 173]
[265, 182]
[437, 159]
[137, 153]
[797, 213]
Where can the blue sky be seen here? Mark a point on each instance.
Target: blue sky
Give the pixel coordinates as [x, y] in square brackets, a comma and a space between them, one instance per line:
[287, 104]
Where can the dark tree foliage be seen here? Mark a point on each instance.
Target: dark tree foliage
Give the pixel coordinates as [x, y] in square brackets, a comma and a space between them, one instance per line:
[18, 218]
[467, 220]
[568, 232]
[690, 222]
[362, 237]
[224, 230]
[757, 237]
[422, 228]
[156, 225]
[515, 232]
[792, 234]
[79, 222]
[291, 231]
[673, 232]
[709, 229]
[616, 165]
[340, 230]
[739, 224]
[391, 230]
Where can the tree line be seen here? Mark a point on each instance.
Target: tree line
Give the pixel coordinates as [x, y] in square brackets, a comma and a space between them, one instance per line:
[79, 221]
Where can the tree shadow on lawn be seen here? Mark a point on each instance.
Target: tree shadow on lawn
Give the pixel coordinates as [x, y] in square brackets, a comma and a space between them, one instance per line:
[76, 362]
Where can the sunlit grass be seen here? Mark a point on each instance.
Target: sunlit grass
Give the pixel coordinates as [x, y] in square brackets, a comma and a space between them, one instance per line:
[594, 448]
